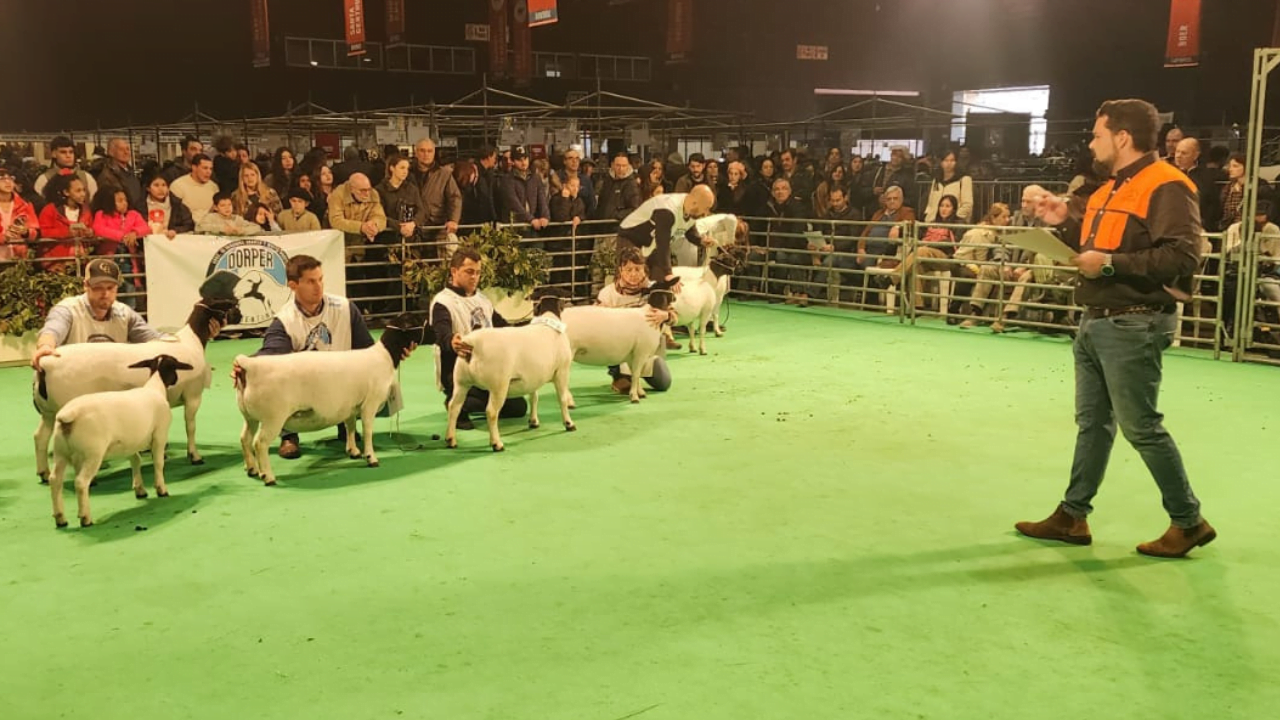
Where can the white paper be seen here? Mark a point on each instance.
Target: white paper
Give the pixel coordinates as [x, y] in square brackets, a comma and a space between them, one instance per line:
[1042, 242]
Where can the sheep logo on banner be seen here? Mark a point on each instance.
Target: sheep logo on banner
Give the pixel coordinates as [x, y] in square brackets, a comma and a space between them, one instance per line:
[262, 288]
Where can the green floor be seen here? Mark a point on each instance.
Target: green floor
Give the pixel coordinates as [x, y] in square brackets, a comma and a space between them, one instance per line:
[815, 523]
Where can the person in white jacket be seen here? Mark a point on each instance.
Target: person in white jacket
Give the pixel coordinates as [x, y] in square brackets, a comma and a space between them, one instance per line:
[950, 181]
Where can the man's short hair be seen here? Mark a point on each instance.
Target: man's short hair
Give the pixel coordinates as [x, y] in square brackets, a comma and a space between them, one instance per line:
[299, 264]
[59, 142]
[223, 143]
[835, 189]
[487, 152]
[784, 181]
[463, 254]
[188, 139]
[1139, 118]
[200, 159]
[894, 190]
[220, 196]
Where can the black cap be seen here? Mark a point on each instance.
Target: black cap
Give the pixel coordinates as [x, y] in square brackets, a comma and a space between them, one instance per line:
[102, 270]
[519, 152]
[301, 194]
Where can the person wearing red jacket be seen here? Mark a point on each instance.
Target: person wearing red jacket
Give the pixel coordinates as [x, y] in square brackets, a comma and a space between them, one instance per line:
[18, 221]
[120, 230]
[66, 219]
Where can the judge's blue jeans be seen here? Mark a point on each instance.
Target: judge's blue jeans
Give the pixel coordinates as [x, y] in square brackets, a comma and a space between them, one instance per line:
[1118, 371]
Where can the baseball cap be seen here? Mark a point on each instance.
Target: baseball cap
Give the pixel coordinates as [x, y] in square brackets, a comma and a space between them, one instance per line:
[301, 194]
[102, 270]
[518, 152]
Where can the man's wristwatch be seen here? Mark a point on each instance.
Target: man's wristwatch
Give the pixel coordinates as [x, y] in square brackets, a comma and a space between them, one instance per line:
[1107, 268]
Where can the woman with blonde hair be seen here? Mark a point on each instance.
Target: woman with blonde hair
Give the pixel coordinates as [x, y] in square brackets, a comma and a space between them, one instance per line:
[253, 190]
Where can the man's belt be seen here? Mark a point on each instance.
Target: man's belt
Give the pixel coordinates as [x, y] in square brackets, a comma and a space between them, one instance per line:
[1106, 312]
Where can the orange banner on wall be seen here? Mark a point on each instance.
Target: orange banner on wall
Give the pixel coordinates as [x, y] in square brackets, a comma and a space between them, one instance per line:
[395, 23]
[354, 21]
[521, 43]
[543, 12]
[261, 33]
[1183, 49]
[679, 30]
[498, 38]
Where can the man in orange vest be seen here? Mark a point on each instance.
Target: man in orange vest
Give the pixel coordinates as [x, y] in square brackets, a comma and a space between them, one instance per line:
[1139, 247]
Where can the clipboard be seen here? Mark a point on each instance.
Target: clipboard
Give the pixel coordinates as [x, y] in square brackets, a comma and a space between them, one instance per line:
[1042, 242]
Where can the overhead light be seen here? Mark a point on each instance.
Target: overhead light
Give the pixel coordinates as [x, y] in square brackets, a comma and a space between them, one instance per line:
[315, 63]
[884, 93]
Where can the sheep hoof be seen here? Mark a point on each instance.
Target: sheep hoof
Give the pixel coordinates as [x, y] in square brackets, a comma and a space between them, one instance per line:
[140, 494]
[719, 333]
[355, 455]
[573, 406]
[269, 482]
[60, 522]
[44, 478]
[162, 493]
[498, 448]
[86, 522]
[533, 424]
[374, 464]
[702, 352]
[195, 459]
[635, 400]
[570, 427]
[451, 444]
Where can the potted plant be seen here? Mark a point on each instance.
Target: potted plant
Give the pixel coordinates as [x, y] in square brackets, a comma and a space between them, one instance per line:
[26, 295]
[508, 275]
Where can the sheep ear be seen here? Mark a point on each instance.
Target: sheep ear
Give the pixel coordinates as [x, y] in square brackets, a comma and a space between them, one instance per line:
[150, 364]
[182, 366]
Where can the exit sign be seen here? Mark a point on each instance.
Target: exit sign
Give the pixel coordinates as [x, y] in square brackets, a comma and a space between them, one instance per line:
[811, 52]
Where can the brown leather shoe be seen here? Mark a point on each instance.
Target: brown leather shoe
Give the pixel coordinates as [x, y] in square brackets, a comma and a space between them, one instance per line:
[1059, 526]
[672, 344]
[622, 385]
[1177, 542]
[289, 449]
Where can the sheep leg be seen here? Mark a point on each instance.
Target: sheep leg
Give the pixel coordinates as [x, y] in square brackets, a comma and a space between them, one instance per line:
[189, 407]
[561, 380]
[268, 431]
[722, 288]
[55, 489]
[135, 462]
[637, 365]
[702, 334]
[84, 476]
[353, 452]
[497, 398]
[533, 410]
[158, 442]
[693, 336]
[44, 431]
[455, 410]
[368, 413]
[246, 447]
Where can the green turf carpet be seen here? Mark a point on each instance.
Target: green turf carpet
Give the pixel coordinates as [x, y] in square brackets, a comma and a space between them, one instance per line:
[816, 522]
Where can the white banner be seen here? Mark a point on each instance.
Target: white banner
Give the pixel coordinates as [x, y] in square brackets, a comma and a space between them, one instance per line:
[175, 270]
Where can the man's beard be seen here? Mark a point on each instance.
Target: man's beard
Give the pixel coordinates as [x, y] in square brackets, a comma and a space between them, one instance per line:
[1101, 169]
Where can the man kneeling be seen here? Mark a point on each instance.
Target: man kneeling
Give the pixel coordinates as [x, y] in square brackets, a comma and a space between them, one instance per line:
[628, 291]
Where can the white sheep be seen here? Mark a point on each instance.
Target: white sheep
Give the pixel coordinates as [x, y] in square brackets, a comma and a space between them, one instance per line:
[84, 368]
[518, 361]
[98, 426]
[606, 336]
[701, 294]
[308, 391]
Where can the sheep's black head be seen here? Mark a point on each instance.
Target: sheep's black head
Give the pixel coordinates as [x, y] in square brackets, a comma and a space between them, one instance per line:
[404, 333]
[660, 295]
[728, 261]
[549, 300]
[167, 365]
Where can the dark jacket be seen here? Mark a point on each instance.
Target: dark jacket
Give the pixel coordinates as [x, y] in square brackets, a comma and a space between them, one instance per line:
[523, 199]
[787, 222]
[1151, 227]
[565, 209]
[748, 198]
[114, 178]
[226, 172]
[617, 197]
[399, 203]
[844, 237]
[1207, 182]
[441, 198]
[479, 204]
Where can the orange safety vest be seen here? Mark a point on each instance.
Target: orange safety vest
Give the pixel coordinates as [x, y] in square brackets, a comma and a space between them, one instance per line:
[1110, 208]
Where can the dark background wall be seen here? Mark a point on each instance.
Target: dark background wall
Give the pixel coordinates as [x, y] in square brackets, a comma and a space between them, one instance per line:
[74, 63]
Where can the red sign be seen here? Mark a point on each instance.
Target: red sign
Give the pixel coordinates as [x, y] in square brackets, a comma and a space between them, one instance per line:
[1183, 49]
[261, 33]
[542, 12]
[537, 151]
[521, 43]
[330, 143]
[354, 22]
[679, 30]
[395, 23]
[498, 38]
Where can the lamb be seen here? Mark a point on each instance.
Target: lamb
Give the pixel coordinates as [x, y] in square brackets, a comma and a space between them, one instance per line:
[81, 369]
[310, 391]
[702, 292]
[606, 336]
[101, 425]
[515, 360]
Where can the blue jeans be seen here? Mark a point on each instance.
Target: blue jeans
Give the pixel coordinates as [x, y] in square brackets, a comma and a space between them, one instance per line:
[1118, 371]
